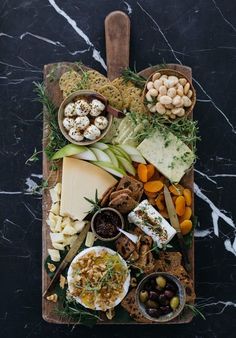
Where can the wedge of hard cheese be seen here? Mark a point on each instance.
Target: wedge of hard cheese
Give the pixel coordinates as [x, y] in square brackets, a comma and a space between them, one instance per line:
[168, 154]
[81, 179]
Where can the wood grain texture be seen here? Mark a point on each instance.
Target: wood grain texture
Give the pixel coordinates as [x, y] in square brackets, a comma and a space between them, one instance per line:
[117, 34]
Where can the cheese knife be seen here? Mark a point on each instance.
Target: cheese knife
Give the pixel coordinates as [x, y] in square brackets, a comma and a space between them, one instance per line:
[68, 258]
[175, 224]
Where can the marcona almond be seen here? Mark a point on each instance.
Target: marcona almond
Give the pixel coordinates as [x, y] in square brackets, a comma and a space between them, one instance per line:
[169, 106]
[163, 90]
[176, 100]
[160, 108]
[171, 92]
[176, 111]
[180, 104]
[174, 78]
[182, 81]
[186, 88]
[190, 94]
[153, 109]
[181, 112]
[165, 99]
[153, 92]
[156, 76]
[172, 116]
[148, 97]
[187, 102]
[157, 84]
[149, 85]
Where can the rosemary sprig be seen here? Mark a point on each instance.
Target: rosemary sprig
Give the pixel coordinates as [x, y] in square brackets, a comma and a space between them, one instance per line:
[75, 312]
[195, 310]
[34, 157]
[55, 139]
[129, 75]
[95, 203]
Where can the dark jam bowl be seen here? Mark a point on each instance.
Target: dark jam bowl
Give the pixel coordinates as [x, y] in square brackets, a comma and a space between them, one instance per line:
[148, 284]
[105, 222]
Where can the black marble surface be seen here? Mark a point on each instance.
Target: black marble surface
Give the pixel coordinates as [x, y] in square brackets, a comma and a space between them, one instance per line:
[198, 33]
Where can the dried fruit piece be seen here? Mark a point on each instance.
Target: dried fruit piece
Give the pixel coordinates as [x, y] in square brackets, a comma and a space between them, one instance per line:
[142, 172]
[176, 189]
[187, 215]
[164, 213]
[186, 226]
[153, 186]
[160, 202]
[188, 197]
[180, 205]
[150, 171]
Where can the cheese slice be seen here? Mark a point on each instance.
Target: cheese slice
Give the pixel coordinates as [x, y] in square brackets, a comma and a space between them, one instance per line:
[81, 179]
[168, 154]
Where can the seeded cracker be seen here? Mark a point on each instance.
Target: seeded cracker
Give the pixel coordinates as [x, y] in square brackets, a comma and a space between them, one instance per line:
[123, 86]
[70, 78]
[113, 95]
[96, 80]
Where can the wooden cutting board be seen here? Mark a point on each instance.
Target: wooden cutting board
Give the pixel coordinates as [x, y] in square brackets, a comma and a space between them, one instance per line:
[117, 33]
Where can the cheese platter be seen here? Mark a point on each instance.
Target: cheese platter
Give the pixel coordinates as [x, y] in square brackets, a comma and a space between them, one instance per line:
[110, 250]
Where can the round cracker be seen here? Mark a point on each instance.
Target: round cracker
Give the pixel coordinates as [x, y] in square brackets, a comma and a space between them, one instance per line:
[113, 95]
[96, 80]
[68, 78]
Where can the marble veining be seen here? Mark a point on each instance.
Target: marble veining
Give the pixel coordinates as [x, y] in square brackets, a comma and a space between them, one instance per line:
[199, 34]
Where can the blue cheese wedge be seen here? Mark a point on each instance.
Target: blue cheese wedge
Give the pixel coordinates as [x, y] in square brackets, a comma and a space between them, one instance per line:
[168, 154]
[150, 221]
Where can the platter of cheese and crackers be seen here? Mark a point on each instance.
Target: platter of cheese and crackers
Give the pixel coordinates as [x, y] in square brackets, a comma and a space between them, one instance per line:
[118, 203]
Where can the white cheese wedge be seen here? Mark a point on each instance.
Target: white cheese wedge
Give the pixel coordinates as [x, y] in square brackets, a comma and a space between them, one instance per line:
[55, 208]
[69, 240]
[168, 154]
[69, 230]
[58, 246]
[150, 221]
[57, 237]
[81, 179]
[54, 255]
[79, 225]
[55, 197]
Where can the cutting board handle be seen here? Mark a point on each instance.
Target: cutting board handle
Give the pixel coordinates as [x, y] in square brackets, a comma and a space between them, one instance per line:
[117, 35]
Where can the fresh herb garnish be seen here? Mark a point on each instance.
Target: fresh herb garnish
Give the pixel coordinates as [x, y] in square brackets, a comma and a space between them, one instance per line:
[34, 157]
[132, 76]
[55, 138]
[196, 311]
[95, 203]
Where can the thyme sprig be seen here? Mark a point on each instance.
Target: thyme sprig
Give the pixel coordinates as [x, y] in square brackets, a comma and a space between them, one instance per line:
[55, 138]
[196, 310]
[129, 75]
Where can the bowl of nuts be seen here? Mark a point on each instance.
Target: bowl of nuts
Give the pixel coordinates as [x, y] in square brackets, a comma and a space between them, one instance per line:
[160, 297]
[83, 117]
[169, 94]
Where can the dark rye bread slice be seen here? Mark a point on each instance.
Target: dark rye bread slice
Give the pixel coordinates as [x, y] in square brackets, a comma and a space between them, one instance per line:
[133, 185]
[119, 192]
[123, 203]
[124, 246]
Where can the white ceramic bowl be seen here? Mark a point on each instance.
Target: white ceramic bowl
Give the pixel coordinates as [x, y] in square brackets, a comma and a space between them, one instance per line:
[98, 249]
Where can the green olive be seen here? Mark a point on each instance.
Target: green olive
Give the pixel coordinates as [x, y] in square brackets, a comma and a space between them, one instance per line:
[143, 296]
[161, 282]
[174, 302]
[151, 304]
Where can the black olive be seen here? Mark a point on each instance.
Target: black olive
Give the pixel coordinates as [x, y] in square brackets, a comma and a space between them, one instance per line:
[169, 294]
[171, 287]
[162, 299]
[165, 309]
[153, 296]
[153, 312]
[151, 304]
[153, 283]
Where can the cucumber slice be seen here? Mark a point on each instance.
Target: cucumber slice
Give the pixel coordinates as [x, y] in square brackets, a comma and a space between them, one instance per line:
[101, 155]
[127, 165]
[87, 155]
[69, 150]
[110, 168]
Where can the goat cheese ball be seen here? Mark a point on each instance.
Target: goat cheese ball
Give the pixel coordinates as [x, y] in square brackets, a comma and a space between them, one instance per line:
[68, 123]
[97, 107]
[75, 134]
[101, 122]
[92, 132]
[81, 122]
[69, 110]
[82, 108]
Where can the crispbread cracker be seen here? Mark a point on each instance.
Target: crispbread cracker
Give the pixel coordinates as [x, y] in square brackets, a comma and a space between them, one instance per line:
[96, 80]
[123, 86]
[113, 95]
[69, 78]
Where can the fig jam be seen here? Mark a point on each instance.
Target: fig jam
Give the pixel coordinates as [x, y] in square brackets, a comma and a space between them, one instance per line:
[106, 223]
